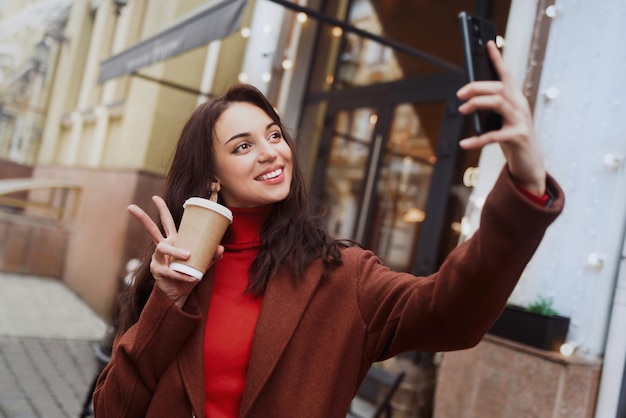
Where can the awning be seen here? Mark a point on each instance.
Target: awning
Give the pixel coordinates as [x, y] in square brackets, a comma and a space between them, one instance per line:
[206, 24]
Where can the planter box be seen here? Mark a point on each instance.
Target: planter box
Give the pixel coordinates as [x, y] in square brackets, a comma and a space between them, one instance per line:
[530, 328]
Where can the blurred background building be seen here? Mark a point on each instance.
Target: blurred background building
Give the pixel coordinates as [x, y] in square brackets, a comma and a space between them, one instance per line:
[93, 95]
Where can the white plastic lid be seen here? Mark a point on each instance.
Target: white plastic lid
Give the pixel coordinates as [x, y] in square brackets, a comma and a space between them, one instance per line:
[209, 204]
[188, 270]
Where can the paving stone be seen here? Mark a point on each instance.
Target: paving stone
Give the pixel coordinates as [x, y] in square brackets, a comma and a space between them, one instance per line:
[47, 360]
[29, 380]
[69, 367]
[52, 377]
[13, 400]
[38, 379]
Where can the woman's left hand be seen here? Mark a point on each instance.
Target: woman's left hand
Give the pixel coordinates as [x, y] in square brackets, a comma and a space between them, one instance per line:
[517, 136]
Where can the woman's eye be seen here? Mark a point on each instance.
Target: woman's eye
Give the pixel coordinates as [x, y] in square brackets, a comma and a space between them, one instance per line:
[241, 147]
[276, 136]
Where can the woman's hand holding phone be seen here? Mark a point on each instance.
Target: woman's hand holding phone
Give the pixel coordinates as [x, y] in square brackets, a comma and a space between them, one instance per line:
[517, 135]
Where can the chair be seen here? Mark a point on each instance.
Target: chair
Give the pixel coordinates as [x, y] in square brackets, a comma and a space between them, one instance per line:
[373, 399]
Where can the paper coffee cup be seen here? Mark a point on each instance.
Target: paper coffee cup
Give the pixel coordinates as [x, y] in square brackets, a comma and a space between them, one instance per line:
[201, 230]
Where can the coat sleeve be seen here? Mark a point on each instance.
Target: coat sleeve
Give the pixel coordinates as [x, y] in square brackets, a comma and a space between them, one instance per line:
[140, 357]
[454, 307]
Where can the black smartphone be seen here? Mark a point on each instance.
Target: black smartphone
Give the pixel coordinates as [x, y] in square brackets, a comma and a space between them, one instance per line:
[475, 32]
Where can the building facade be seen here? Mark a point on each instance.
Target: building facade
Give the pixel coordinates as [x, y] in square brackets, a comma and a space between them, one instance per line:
[368, 87]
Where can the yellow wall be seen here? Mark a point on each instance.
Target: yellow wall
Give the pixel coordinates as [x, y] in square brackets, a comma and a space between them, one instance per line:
[154, 114]
[67, 77]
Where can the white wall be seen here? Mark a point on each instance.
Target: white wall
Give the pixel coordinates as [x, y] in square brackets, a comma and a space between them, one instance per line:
[585, 62]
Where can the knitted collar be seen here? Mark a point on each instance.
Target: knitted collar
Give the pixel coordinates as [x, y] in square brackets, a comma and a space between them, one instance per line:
[244, 232]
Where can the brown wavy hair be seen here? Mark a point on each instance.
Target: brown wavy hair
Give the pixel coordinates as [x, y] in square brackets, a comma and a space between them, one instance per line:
[291, 237]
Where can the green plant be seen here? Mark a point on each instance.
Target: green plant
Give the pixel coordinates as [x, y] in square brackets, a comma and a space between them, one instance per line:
[542, 306]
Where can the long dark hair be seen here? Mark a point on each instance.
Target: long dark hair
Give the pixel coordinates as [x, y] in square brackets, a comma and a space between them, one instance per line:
[290, 238]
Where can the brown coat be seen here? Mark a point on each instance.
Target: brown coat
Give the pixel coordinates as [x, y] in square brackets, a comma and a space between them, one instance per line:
[315, 342]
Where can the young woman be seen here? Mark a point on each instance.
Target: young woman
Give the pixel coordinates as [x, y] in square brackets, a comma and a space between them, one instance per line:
[288, 321]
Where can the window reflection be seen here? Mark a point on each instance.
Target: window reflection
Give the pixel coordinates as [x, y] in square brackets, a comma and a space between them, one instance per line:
[364, 61]
[403, 187]
[350, 144]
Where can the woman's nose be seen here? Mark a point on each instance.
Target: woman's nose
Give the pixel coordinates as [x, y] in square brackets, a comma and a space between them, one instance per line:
[267, 152]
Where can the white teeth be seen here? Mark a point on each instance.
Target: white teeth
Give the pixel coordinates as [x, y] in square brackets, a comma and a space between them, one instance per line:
[271, 175]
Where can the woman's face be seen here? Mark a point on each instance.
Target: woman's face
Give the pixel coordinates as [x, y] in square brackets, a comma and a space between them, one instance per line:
[254, 164]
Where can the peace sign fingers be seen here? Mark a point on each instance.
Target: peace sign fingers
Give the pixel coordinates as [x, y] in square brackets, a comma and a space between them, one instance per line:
[166, 217]
[147, 222]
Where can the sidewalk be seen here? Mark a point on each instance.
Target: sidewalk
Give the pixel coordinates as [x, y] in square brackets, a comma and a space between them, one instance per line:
[47, 360]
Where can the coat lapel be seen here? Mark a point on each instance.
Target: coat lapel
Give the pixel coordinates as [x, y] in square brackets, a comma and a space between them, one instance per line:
[284, 303]
[191, 355]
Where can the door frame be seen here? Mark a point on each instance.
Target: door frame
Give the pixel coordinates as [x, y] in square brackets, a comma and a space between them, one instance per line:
[440, 87]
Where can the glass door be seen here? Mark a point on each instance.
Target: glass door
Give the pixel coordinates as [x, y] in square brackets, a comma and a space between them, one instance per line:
[402, 189]
[377, 162]
[350, 144]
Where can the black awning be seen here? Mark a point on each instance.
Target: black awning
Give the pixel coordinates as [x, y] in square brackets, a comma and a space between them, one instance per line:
[206, 24]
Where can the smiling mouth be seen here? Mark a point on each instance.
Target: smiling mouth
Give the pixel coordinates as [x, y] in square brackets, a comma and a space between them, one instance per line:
[270, 175]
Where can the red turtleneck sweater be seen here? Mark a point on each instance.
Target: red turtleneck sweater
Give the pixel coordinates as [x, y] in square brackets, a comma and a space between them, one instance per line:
[232, 316]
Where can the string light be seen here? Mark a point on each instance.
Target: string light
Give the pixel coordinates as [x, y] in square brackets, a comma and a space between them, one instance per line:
[245, 32]
[302, 17]
[266, 77]
[287, 64]
[466, 226]
[567, 349]
[552, 93]
[613, 161]
[243, 77]
[552, 11]
[596, 261]
[414, 215]
[478, 202]
[336, 32]
[470, 176]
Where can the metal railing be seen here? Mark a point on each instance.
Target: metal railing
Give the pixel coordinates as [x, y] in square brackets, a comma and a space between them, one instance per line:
[58, 192]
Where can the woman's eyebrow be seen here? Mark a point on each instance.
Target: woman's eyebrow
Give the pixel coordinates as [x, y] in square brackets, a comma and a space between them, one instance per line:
[241, 135]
